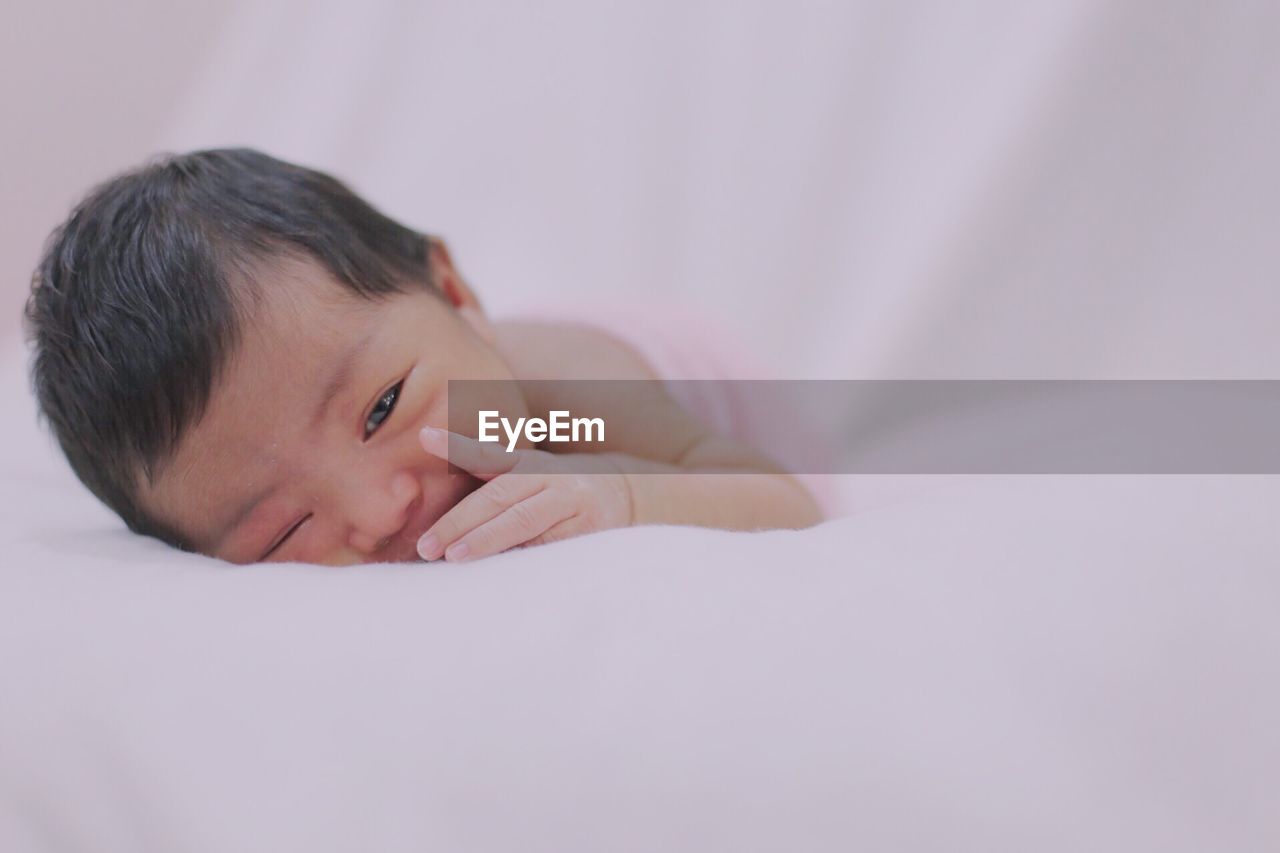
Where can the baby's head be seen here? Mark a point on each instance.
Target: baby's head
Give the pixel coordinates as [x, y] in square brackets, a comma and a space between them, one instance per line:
[236, 355]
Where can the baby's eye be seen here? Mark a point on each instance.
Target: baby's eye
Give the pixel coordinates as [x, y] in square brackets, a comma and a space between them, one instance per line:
[382, 409]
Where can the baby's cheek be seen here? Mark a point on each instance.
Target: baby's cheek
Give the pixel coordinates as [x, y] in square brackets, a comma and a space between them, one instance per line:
[323, 546]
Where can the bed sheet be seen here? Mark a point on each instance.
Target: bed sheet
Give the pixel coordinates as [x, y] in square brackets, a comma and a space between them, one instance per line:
[1048, 663]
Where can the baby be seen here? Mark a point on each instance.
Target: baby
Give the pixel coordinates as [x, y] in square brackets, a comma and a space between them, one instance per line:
[243, 358]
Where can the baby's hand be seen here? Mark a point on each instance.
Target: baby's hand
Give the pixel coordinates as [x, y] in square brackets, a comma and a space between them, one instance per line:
[531, 497]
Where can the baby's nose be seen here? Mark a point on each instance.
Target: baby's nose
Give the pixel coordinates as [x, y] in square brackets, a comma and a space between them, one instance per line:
[379, 514]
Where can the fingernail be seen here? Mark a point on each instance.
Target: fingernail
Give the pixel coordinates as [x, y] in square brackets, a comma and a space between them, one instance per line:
[427, 546]
[431, 433]
[457, 551]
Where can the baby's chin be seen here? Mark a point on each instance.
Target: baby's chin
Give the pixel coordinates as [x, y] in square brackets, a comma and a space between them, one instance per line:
[403, 547]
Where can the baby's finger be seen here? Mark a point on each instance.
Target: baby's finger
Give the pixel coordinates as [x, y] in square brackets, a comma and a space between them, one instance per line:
[485, 503]
[485, 461]
[522, 522]
[566, 529]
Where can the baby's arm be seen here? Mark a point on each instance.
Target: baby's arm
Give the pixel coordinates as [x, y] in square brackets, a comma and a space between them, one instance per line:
[719, 483]
[677, 469]
[530, 496]
[659, 465]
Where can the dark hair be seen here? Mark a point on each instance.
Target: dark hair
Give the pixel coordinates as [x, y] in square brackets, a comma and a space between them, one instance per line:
[139, 298]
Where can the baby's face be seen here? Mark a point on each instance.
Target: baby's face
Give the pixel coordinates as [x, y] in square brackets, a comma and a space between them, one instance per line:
[273, 473]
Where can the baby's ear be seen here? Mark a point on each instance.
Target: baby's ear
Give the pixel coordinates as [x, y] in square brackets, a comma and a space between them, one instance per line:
[457, 292]
[439, 261]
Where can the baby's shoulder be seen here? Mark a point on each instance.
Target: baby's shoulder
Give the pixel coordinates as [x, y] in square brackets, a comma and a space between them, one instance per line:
[537, 349]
